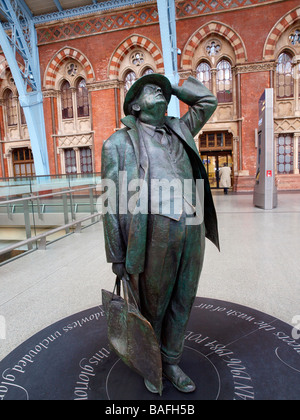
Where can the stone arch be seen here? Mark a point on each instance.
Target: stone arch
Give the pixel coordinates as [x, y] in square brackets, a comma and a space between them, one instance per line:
[3, 66]
[57, 61]
[127, 46]
[213, 28]
[278, 29]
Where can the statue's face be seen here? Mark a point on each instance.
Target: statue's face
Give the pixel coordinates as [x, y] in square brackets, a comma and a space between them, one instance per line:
[152, 97]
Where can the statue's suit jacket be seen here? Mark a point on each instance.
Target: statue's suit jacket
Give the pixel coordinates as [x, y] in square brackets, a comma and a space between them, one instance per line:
[123, 152]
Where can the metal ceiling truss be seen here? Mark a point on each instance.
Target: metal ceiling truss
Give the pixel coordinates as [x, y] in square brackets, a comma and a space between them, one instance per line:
[58, 5]
[19, 44]
[85, 10]
[167, 23]
[20, 40]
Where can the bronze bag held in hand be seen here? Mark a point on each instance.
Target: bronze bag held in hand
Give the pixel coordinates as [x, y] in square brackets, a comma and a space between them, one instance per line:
[131, 336]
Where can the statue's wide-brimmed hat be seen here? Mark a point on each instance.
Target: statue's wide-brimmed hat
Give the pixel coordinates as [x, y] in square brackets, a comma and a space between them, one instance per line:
[154, 79]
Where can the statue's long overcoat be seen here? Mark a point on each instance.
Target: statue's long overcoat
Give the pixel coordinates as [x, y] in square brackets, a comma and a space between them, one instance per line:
[123, 155]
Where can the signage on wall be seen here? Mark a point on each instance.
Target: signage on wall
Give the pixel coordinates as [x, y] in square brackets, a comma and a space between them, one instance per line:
[269, 174]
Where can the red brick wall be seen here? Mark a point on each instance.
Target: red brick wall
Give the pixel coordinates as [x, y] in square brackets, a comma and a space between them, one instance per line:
[252, 87]
[104, 121]
[98, 49]
[253, 26]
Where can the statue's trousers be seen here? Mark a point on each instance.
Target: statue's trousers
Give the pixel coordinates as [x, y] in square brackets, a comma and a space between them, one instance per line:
[169, 283]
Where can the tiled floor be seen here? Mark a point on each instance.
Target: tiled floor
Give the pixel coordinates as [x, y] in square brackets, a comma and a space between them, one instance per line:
[259, 262]
[258, 267]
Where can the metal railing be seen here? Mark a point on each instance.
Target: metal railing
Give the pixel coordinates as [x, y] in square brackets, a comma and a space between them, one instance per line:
[41, 239]
[39, 208]
[11, 205]
[26, 185]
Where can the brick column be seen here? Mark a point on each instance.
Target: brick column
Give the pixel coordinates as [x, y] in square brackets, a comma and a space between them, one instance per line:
[296, 153]
[103, 97]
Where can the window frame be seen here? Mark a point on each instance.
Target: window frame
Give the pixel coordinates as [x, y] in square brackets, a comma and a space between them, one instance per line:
[11, 104]
[82, 163]
[20, 154]
[226, 95]
[66, 100]
[82, 95]
[284, 153]
[208, 83]
[212, 141]
[70, 164]
[128, 82]
[285, 74]
[78, 164]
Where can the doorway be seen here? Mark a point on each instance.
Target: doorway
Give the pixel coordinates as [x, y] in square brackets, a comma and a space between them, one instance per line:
[216, 149]
[213, 161]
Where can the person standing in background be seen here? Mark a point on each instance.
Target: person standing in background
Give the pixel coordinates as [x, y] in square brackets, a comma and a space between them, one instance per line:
[225, 178]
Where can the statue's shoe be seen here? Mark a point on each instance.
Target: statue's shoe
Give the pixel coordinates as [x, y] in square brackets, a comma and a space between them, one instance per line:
[178, 378]
[151, 387]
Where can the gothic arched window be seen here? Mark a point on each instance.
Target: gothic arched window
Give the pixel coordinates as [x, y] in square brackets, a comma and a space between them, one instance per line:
[284, 73]
[66, 101]
[11, 108]
[147, 71]
[82, 99]
[203, 72]
[130, 78]
[224, 82]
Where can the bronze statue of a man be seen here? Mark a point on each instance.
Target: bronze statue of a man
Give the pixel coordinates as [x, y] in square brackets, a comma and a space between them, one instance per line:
[160, 251]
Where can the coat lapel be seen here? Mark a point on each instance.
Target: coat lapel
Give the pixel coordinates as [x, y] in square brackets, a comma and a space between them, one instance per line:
[136, 244]
[130, 122]
[186, 136]
[172, 123]
[209, 209]
[137, 142]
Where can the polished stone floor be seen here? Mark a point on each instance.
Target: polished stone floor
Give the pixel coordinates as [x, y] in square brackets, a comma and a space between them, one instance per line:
[258, 267]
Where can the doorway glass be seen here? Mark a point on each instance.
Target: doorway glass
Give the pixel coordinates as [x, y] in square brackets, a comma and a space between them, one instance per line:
[212, 171]
[213, 162]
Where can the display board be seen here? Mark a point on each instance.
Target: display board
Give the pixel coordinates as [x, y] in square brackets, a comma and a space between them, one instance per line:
[265, 191]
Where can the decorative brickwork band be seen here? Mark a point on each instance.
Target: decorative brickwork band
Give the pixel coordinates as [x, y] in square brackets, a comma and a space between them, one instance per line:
[213, 28]
[100, 23]
[57, 61]
[281, 26]
[127, 46]
[200, 7]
